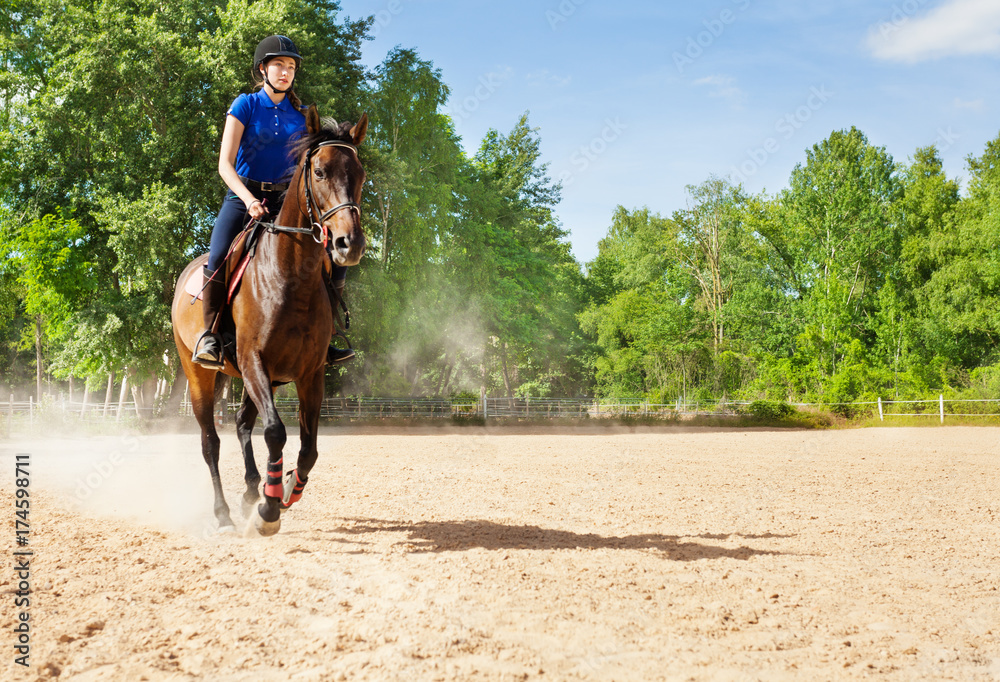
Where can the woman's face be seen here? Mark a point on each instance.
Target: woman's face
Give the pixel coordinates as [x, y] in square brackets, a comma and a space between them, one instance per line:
[280, 72]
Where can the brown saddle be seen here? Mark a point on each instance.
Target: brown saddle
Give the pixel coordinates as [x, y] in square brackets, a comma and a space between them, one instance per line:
[234, 266]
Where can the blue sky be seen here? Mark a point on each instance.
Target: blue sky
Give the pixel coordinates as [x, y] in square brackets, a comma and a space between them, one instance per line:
[635, 99]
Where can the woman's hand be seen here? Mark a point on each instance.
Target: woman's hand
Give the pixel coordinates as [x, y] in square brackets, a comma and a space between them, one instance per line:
[256, 210]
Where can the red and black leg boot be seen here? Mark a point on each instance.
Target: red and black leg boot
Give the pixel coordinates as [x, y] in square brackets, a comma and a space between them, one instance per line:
[272, 484]
[293, 489]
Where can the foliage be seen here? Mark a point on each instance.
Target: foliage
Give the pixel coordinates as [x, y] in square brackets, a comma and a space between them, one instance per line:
[864, 278]
[769, 410]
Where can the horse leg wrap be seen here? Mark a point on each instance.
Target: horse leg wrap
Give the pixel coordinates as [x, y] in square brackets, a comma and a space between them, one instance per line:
[293, 488]
[272, 486]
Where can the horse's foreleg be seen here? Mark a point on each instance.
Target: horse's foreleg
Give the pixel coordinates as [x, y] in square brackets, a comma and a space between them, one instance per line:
[258, 385]
[310, 403]
[202, 383]
[246, 417]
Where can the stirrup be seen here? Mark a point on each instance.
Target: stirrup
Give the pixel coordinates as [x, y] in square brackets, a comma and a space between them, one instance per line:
[208, 357]
[334, 354]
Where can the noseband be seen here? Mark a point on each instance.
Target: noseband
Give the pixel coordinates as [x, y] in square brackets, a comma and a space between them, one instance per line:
[316, 228]
[311, 205]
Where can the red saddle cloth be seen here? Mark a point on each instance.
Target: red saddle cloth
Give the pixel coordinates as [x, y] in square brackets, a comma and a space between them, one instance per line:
[235, 265]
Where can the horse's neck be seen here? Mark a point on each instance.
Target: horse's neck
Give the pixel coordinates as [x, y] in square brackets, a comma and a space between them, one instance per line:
[296, 257]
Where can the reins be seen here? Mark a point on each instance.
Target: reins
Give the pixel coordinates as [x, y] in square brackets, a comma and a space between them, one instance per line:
[317, 229]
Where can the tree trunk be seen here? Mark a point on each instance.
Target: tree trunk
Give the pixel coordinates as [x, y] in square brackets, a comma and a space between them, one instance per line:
[38, 358]
[121, 395]
[108, 393]
[506, 374]
[177, 390]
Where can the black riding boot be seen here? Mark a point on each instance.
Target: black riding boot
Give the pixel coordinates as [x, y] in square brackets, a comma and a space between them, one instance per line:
[208, 350]
[336, 291]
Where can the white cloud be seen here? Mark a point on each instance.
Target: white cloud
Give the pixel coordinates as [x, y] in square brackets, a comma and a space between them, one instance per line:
[977, 105]
[546, 77]
[725, 88]
[953, 28]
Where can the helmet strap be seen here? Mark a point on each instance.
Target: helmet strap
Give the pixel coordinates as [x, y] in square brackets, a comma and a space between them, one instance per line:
[280, 92]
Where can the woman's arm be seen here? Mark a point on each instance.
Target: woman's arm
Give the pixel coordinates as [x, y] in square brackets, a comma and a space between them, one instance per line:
[231, 136]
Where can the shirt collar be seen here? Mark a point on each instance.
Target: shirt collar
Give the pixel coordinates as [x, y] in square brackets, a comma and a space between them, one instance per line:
[284, 105]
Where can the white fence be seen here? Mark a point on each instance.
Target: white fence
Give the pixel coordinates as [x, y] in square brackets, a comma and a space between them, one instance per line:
[20, 414]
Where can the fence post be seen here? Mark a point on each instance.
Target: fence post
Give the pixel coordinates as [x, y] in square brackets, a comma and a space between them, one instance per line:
[881, 416]
[31, 411]
[941, 402]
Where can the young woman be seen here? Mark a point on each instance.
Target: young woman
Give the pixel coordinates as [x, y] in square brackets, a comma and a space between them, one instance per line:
[255, 164]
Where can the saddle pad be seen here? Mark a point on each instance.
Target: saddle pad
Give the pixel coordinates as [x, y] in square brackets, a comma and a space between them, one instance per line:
[194, 282]
[235, 263]
[196, 279]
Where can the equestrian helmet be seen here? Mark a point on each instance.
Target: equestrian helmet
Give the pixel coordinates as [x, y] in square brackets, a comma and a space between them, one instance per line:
[275, 46]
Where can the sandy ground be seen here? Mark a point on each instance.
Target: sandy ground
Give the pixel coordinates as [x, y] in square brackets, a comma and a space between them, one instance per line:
[675, 555]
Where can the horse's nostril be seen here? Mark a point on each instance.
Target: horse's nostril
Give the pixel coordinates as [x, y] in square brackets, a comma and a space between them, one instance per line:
[342, 244]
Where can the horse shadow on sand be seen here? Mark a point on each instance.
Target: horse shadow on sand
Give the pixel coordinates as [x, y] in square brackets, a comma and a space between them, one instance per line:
[458, 536]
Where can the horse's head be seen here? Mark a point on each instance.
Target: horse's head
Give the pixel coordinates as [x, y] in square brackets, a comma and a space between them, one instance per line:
[332, 178]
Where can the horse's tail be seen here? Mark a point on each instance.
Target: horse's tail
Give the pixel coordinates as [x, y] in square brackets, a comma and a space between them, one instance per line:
[220, 385]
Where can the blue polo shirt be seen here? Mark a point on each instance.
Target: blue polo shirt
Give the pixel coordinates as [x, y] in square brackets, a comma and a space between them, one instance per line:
[267, 127]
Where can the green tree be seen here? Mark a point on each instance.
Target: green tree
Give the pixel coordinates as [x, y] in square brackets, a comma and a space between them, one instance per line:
[114, 112]
[713, 244]
[512, 254]
[909, 333]
[845, 225]
[953, 262]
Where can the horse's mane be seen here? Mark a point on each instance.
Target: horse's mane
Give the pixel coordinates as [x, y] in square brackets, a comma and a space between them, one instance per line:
[329, 130]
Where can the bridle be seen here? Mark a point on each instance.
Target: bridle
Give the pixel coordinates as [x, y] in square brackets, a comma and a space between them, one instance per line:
[316, 227]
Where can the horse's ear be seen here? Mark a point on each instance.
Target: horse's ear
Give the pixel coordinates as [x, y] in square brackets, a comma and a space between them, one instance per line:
[312, 119]
[360, 130]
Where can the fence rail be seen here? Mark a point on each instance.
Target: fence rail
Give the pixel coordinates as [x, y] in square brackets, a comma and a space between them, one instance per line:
[27, 413]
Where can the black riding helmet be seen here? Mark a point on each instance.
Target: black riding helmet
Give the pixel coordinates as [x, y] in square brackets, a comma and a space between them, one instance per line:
[274, 46]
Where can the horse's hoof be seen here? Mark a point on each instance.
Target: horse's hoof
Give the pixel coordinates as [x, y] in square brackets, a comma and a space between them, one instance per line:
[265, 528]
[227, 530]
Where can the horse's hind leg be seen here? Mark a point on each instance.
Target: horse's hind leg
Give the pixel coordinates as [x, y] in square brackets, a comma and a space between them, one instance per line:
[202, 385]
[310, 403]
[246, 417]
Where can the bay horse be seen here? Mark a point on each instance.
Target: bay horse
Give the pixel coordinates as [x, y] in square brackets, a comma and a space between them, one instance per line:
[283, 318]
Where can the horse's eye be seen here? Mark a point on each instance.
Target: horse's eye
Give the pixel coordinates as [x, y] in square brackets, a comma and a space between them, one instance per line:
[319, 173]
